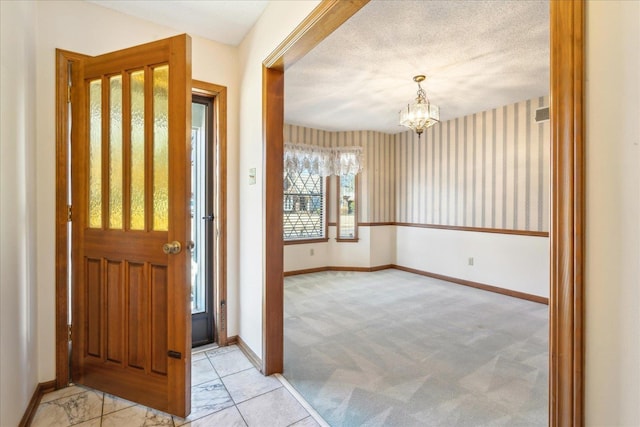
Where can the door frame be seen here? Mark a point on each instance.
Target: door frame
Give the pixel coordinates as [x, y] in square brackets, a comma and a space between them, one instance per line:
[219, 96]
[62, 304]
[567, 231]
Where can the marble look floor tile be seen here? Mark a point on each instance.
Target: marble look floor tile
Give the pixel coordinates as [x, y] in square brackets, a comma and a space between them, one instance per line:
[96, 422]
[202, 371]
[70, 410]
[113, 403]
[250, 383]
[137, 416]
[198, 356]
[229, 417]
[306, 422]
[63, 392]
[278, 408]
[230, 362]
[206, 399]
[221, 350]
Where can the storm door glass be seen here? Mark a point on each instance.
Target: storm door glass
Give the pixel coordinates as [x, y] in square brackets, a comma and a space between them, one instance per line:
[198, 207]
[202, 221]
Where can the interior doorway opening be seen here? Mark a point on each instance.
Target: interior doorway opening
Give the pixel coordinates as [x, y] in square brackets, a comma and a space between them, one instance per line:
[566, 305]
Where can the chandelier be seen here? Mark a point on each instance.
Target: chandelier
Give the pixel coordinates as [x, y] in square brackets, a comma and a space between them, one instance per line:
[421, 114]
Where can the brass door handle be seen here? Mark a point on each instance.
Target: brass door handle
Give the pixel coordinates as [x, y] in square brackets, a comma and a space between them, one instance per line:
[172, 248]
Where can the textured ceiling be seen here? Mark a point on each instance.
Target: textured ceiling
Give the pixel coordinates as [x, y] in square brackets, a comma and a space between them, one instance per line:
[225, 21]
[476, 55]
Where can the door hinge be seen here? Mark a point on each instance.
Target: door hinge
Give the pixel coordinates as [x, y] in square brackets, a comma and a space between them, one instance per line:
[68, 213]
[68, 332]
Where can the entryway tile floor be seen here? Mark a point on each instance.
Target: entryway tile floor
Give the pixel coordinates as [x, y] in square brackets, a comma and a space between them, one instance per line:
[226, 390]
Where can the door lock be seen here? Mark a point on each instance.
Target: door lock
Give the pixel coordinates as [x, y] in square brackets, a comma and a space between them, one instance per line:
[172, 248]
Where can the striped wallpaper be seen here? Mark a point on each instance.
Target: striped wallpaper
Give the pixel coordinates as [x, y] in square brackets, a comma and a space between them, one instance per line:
[487, 170]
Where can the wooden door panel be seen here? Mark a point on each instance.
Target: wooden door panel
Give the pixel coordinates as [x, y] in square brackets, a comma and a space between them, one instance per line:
[114, 310]
[93, 316]
[159, 318]
[130, 190]
[138, 327]
[140, 246]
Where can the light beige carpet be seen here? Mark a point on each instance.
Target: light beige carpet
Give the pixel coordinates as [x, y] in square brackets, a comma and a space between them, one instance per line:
[398, 349]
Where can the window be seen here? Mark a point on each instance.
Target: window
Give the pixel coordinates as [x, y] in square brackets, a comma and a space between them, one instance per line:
[347, 207]
[304, 206]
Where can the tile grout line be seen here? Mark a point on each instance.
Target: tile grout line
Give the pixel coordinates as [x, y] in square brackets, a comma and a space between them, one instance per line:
[253, 397]
[102, 410]
[235, 405]
[301, 400]
[240, 413]
[227, 390]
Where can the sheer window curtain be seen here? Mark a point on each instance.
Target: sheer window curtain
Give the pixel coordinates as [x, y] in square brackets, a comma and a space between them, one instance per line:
[322, 161]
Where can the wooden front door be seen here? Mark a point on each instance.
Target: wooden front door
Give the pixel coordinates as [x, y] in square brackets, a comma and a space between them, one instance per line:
[131, 125]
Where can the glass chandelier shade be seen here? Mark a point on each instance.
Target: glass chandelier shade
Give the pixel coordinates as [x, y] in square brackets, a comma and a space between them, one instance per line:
[421, 114]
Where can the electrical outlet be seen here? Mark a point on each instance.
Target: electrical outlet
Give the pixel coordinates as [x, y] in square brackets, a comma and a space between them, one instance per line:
[470, 260]
[312, 252]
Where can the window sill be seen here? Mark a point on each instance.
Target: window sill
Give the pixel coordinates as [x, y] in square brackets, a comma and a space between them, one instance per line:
[354, 240]
[304, 241]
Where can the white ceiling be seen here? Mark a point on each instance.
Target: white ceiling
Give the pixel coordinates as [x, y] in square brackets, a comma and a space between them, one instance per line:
[477, 55]
[225, 21]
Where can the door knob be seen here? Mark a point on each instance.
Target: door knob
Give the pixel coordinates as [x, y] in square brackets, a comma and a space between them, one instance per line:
[172, 248]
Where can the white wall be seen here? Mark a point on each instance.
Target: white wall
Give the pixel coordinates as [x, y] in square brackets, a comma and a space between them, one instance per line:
[519, 263]
[376, 247]
[299, 257]
[515, 262]
[383, 245]
[277, 21]
[612, 359]
[18, 290]
[87, 28]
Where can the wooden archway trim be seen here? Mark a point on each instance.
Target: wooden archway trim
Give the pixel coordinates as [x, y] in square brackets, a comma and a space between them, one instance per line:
[566, 300]
[566, 305]
[321, 22]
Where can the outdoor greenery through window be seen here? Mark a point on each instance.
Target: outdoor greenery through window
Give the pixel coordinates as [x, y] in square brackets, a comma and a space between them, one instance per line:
[304, 211]
[347, 207]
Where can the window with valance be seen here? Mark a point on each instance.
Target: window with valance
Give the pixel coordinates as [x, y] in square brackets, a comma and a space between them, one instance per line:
[306, 169]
